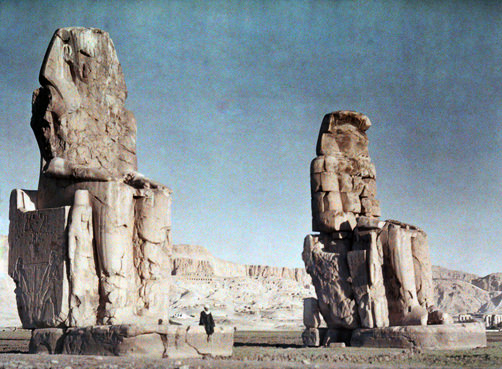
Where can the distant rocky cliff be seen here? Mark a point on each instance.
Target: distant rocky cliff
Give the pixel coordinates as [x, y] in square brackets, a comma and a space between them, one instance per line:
[197, 262]
[491, 282]
[448, 274]
[258, 296]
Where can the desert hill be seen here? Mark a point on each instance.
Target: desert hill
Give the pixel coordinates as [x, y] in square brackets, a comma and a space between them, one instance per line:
[266, 297]
[8, 310]
[439, 272]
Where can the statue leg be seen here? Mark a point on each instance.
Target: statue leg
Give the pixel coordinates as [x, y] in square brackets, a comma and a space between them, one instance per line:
[113, 215]
[153, 250]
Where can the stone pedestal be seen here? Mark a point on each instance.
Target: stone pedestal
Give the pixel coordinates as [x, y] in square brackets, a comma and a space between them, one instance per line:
[316, 337]
[160, 341]
[432, 337]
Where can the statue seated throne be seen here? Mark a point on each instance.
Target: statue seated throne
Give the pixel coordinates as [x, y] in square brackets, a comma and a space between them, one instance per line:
[92, 245]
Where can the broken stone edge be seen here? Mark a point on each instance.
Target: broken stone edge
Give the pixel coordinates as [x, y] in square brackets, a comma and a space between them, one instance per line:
[162, 341]
[432, 337]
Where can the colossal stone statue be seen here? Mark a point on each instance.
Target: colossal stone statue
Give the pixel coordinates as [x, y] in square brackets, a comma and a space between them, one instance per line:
[367, 273]
[92, 245]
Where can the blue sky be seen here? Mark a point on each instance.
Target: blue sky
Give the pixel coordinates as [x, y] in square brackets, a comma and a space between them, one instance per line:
[229, 97]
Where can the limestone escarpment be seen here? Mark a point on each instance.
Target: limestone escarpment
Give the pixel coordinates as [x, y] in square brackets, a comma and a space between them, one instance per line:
[448, 274]
[193, 261]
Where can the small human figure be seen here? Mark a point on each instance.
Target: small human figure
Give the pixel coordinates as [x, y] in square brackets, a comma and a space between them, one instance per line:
[206, 319]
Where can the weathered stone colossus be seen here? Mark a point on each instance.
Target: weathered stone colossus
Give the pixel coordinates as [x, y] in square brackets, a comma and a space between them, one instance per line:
[92, 245]
[366, 272]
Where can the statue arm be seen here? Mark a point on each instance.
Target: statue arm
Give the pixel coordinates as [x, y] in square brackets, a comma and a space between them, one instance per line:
[61, 168]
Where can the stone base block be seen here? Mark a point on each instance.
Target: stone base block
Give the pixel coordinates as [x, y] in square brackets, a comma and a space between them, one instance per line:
[435, 337]
[311, 337]
[156, 341]
[14, 340]
[335, 337]
[315, 337]
[46, 341]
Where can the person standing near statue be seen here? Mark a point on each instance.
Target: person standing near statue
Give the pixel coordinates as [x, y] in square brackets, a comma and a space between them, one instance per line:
[206, 319]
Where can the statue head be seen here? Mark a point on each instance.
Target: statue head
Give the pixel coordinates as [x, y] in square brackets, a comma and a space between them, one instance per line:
[79, 113]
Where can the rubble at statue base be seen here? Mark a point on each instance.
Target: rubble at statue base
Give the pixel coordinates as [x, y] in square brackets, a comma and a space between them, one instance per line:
[373, 278]
[92, 245]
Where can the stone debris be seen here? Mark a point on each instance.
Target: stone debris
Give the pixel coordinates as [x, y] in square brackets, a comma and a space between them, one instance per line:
[367, 273]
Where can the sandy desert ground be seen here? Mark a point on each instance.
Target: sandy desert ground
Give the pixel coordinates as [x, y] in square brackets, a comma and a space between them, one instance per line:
[269, 349]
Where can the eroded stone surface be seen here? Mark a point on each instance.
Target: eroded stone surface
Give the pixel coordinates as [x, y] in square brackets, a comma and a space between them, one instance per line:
[311, 314]
[443, 337]
[330, 272]
[169, 341]
[84, 283]
[342, 176]
[79, 112]
[46, 341]
[367, 273]
[38, 268]
[311, 337]
[87, 141]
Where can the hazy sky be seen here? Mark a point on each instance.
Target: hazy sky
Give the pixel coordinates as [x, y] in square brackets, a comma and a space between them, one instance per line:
[229, 97]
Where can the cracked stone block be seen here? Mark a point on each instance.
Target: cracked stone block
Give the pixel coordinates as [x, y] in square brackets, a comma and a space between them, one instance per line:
[38, 242]
[369, 187]
[399, 275]
[423, 269]
[331, 163]
[141, 341]
[351, 202]
[330, 276]
[346, 183]
[311, 337]
[112, 341]
[329, 181]
[460, 336]
[317, 165]
[327, 144]
[370, 206]
[315, 182]
[364, 222]
[311, 314]
[334, 221]
[357, 185]
[220, 343]
[47, 341]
